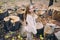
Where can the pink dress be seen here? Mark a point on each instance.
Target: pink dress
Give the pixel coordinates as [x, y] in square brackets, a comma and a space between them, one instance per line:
[31, 26]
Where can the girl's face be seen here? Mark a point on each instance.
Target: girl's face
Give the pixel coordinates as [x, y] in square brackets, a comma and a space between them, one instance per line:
[31, 9]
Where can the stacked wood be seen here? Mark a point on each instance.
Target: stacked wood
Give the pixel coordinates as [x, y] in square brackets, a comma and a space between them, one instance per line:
[56, 15]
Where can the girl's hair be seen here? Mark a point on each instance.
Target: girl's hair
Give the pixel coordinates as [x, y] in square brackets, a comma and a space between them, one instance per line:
[27, 11]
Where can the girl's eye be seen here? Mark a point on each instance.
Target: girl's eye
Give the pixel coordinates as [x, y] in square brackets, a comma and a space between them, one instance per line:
[23, 9]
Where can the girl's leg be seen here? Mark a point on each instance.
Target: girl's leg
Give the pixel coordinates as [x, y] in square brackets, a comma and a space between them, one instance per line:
[29, 36]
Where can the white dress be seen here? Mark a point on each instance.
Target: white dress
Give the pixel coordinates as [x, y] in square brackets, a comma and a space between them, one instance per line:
[31, 26]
